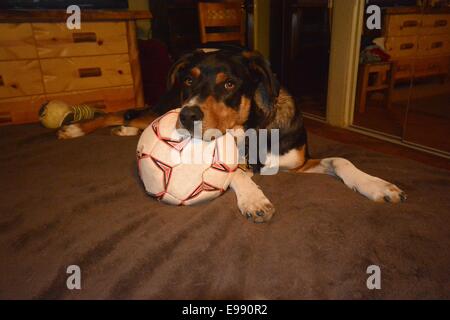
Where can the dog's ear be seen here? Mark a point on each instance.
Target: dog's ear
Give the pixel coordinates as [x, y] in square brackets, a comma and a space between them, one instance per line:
[266, 83]
[173, 96]
[180, 64]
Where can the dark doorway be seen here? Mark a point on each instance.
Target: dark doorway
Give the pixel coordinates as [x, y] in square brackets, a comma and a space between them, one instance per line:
[300, 50]
[175, 22]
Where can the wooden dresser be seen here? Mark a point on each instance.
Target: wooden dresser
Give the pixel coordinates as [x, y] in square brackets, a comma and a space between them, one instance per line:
[419, 43]
[41, 59]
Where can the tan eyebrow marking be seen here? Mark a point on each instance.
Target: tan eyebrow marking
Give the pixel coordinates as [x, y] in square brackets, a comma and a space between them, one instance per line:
[221, 77]
[195, 72]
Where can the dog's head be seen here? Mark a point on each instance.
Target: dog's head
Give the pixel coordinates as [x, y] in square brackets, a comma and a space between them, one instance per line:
[219, 88]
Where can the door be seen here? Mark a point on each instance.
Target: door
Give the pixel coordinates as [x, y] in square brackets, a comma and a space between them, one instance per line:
[300, 50]
[403, 87]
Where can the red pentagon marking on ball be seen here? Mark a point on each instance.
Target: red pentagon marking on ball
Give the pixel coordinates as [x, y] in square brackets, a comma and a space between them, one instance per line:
[159, 195]
[166, 169]
[141, 156]
[155, 124]
[203, 186]
[219, 165]
[176, 144]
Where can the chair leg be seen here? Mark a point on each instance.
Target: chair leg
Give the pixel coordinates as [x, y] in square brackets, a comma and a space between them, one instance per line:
[391, 85]
[363, 89]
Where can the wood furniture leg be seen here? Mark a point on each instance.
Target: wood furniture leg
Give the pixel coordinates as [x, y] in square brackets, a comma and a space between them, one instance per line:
[391, 84]
[135, 65]
[363, 88]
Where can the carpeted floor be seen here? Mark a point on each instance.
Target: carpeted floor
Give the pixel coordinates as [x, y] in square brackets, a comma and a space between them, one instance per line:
[79, 202]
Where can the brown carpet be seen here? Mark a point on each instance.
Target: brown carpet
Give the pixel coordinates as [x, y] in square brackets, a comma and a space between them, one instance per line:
[79, 202]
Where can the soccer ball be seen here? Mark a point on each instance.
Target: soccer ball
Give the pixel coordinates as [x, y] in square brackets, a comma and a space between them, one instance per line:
[182, 170]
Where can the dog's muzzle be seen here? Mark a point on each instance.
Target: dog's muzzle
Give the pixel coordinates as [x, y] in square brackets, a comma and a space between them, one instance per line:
[188, 116]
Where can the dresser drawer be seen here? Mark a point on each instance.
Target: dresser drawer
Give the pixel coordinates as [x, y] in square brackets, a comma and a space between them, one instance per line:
[20, 78]
[407, 68]
[431, 66]
[69, 74]
[16, 41]
[402, 24]
[435, 24]
[21, 109]
[94, 38]
[108, 99]
[404, 69]
[434, 45]
[400, 47]
[26, 109]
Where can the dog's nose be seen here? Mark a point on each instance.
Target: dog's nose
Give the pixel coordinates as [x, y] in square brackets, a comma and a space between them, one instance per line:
[189, 115]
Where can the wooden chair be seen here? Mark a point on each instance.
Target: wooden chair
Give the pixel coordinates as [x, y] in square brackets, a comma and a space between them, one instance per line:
[221, 15]
[374, 77]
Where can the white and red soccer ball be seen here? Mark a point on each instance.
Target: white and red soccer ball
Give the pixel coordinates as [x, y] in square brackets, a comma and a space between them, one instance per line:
[181, 170]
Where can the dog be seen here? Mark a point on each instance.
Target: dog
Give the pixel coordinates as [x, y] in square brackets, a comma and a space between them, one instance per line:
[237, 90]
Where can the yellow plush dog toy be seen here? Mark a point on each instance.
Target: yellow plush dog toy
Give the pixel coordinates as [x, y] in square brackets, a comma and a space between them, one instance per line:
[55, 113]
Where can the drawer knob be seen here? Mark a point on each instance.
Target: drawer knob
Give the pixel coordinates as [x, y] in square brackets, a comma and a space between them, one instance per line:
[440, 23]
[89, 72]
[406, 46]
[436, 45]
[409, 24]
[84, 37]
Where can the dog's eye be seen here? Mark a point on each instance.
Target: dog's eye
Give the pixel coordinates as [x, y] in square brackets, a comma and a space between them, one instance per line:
[229, 84]
[188, 81]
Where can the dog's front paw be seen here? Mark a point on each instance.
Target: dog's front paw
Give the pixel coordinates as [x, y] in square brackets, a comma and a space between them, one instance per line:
[124, 131]
[256, 207]
[380, 190]
[69, 132]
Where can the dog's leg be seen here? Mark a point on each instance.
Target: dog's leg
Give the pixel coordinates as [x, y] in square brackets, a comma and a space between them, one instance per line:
[125, 131]
[372, 187]
[251, 201]
[85, 127]
[133, 127]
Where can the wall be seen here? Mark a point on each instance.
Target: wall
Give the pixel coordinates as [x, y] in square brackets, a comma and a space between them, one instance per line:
[344, 55]
[143, 26]
[262, 26]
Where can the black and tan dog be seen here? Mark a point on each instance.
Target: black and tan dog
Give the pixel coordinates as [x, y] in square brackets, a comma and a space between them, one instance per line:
[237, 90]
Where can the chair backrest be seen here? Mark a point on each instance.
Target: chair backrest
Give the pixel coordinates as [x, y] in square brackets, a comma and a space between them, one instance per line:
[225, 15]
